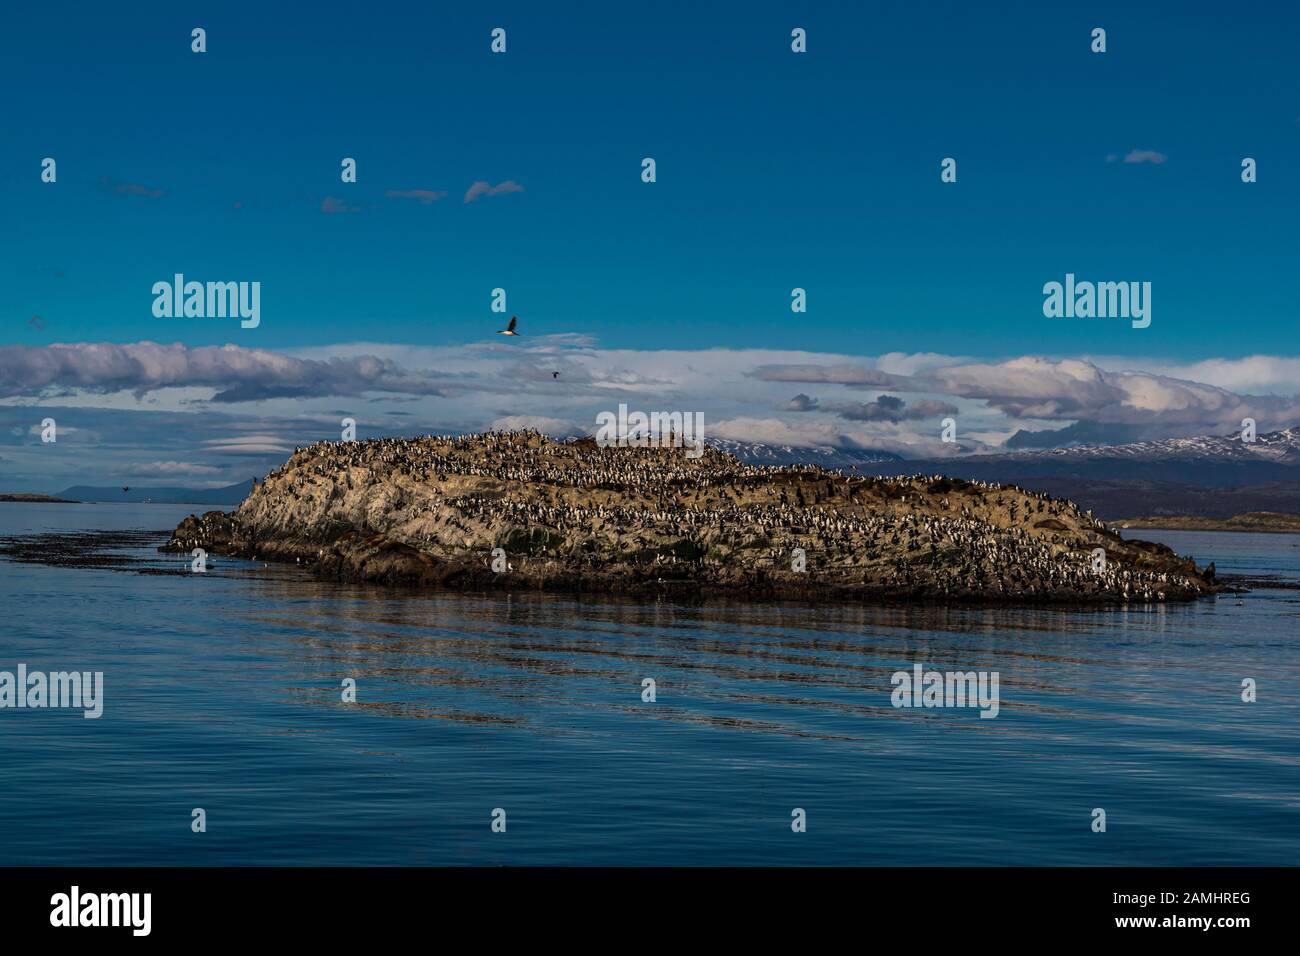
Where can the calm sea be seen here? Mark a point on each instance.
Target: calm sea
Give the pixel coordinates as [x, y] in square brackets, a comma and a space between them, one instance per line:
[223, 691]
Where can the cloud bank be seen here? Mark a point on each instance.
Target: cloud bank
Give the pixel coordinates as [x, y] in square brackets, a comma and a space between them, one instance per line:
[238, 374]
[245, 409]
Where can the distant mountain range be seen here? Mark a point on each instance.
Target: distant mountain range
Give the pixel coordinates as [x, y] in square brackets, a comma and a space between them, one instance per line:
[229, 495]
[1208, 462]
[1281, 447]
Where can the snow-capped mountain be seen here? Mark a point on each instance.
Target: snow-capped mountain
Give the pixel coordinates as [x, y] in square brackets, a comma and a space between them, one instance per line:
[1280, 447]
[1211, 475]
[1272, 448]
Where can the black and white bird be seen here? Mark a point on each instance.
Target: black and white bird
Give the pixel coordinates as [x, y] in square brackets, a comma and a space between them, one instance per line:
[555, 375]
[510, 329]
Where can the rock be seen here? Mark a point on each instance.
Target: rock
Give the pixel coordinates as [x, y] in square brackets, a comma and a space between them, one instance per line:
[571, 516]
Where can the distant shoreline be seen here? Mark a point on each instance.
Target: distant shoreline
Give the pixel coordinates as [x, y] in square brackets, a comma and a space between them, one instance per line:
[1261, 522]
[30, 499]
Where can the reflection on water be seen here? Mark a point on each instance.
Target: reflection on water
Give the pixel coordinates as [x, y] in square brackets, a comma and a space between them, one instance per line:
[224, 691]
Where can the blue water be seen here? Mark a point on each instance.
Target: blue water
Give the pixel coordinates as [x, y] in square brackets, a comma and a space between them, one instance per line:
[223, 692]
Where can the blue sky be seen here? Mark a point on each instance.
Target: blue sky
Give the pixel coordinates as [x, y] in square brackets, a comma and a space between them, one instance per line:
[775, 170]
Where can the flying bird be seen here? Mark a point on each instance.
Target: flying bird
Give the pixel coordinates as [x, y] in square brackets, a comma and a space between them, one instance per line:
[510, 329]
[126, 488]
[555, 375]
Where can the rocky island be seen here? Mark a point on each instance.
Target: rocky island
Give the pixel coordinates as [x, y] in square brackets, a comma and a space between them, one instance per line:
[516, 510]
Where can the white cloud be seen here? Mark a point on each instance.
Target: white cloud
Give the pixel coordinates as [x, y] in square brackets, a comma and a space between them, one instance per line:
[1145, 156]
[248, 445]
[182, 469]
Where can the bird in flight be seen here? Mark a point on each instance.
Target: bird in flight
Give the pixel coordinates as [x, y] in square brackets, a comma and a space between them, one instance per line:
[126, 488]
[510, 329]
[555, 375]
